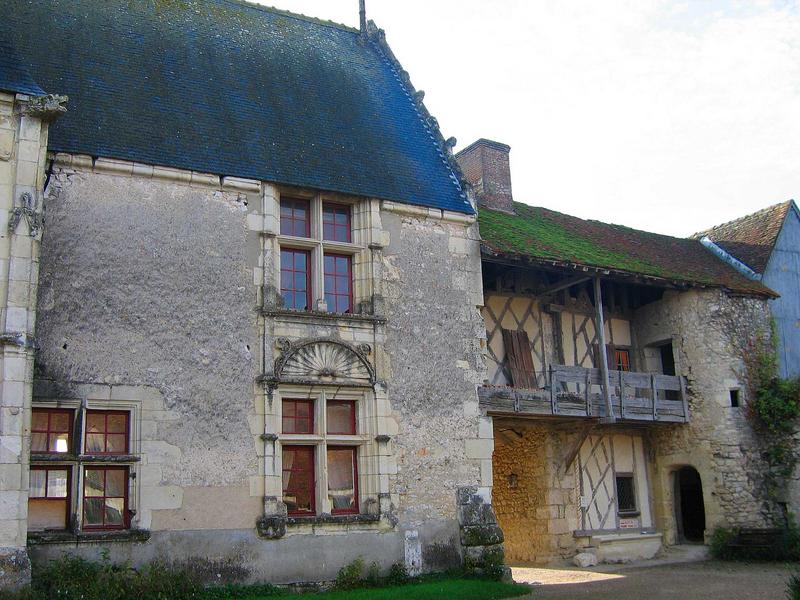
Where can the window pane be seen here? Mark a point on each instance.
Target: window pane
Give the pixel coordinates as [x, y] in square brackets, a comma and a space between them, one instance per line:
[115, 482]
[38, 442]
[342, 479]
[47, 514]
[59, 442]
[57, 484]
[37, 482]
[117, 424]
[115, 509]
[93, 482]
[95, 442]
[342, 304]
[59, 421]
[116, 443]
[341, 417]
[93, 511]
[95, 422]
[300, 281]
[39, 420]
[294, 279]
[327, 231]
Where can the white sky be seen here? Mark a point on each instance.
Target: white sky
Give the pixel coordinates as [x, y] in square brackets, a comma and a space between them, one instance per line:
[665, 116]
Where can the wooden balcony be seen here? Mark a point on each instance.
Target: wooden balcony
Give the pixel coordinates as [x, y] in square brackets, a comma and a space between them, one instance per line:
[577, 392]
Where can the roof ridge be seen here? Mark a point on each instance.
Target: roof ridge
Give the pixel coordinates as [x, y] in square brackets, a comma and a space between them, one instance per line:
[377, 38]
[662, 235]
[760, 211]
[290, 14]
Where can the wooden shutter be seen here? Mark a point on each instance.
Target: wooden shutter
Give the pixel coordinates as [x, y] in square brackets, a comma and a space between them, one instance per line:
[520, 360]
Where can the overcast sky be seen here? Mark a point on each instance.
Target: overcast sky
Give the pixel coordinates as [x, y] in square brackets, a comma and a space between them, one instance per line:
[665, 116]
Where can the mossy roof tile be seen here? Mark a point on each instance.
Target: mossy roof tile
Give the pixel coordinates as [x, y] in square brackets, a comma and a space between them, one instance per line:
[547, 236]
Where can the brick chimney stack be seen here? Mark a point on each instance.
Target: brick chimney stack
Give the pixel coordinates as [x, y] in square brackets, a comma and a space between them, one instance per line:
[486, 168]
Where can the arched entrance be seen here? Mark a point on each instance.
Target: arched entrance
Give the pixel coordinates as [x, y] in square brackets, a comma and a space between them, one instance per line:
[690, 513]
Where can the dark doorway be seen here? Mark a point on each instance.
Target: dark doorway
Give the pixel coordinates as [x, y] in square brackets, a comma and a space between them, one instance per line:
[690, 511]
[668, 368]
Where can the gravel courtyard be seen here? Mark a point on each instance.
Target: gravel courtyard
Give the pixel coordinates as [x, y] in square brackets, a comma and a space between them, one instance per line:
[708, 580]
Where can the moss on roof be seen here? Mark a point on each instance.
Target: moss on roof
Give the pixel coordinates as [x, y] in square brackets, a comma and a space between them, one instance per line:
[543, 235]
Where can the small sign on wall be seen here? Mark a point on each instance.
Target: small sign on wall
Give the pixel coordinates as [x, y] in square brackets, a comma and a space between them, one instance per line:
[628, 523]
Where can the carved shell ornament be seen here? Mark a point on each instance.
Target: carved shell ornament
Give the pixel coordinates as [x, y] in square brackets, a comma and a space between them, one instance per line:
[324, 360]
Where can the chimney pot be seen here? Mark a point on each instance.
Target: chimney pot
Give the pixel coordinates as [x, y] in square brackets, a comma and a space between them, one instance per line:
[486, 168]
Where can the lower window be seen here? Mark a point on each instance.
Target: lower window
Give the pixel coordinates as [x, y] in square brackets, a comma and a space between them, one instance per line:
[105, 497]
[48, 498]
[626, 494]
[343, 480]
[299, 483]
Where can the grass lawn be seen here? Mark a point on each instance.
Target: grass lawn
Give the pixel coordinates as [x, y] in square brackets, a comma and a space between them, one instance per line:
[455, 589]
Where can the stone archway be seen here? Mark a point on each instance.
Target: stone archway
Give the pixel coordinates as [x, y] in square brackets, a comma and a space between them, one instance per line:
[690, 511]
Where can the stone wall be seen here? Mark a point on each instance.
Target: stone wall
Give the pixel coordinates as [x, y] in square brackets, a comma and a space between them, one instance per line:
[709, 331]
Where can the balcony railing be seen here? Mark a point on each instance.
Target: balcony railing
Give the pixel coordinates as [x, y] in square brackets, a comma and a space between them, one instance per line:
[578, 392]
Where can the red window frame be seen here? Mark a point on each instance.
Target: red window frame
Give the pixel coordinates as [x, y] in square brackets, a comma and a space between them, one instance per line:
[311, 485]
[340, 232]
[125, 516]
[622, 360]
[106, 433]
[290, 417]
[354, 452]
[291, 224]
[66, 499]
[333, 281]
[351, 404]
[286, 268]
[48, 431]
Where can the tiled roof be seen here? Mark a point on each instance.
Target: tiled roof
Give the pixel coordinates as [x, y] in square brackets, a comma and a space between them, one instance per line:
[227, 87]
[751, 238]
[547, 237]
[14, 77]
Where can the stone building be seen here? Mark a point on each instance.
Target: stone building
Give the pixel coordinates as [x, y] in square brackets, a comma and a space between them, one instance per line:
[258, 332]
[615, 384]
[250, 324]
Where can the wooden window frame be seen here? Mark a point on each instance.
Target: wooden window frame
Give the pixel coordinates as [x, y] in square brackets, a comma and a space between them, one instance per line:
[353, 416]
[66, 499]
[311, 449]
[125, 510]
[627, 512]
[284, 269]
[294, 201]
[337, 208]
[336, 294]
[354, 450]
[106, 433]
[70, 441]
[519, 357]
[311, 420]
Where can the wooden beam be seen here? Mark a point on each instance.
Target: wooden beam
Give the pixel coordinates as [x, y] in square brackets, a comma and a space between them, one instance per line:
[600, 328]
[575, 448]
[563, 285]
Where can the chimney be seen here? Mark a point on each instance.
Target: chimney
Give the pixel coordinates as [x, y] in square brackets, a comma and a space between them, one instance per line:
[362, 17]
[486, 169]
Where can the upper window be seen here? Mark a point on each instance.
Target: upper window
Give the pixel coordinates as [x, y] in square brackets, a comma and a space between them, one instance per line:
[316, 273]
[298, 416]
[51, 431]
[295, 217]
[622, 360]
[336, 222]
[106, 432]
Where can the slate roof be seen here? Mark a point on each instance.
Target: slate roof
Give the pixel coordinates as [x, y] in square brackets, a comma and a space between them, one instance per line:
[549, 238]
[751, 238]
[14, 77]
[227, 87]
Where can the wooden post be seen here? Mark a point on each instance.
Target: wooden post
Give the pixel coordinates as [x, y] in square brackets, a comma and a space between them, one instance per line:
[621, 395]
[654, 394]
[684, 399]
[588, 392]
[553, 394]
[600, 328]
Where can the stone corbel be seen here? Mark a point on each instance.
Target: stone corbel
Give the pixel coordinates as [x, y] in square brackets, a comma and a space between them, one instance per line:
[26, 208]
[47, 108]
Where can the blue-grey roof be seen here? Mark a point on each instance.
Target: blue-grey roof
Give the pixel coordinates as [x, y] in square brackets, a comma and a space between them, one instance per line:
[227, 87]
[14, 77]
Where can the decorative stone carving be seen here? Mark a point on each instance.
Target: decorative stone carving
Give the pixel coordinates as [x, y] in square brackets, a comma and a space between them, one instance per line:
[323, 359]
[46, 108]
[26, 207]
